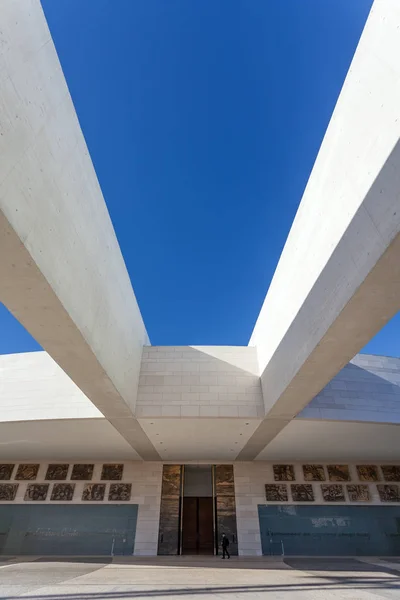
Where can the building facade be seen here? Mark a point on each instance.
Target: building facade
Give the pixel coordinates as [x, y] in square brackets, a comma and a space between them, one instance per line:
[111, 446]
[71, 485]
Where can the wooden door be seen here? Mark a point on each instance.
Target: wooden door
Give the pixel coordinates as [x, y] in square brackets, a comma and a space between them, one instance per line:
[197, 533]
[205, 526]
[189, 532]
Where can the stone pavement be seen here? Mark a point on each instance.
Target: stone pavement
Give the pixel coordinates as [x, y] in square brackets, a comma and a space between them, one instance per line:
[206, 579]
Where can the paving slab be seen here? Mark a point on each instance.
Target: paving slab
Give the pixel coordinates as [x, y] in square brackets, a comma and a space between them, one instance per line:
[208, 579]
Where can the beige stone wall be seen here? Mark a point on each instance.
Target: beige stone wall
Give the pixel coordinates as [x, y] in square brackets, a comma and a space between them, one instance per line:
[199, 381]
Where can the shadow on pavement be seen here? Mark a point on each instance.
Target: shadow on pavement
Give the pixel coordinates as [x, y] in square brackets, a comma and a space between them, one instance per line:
[336, 584]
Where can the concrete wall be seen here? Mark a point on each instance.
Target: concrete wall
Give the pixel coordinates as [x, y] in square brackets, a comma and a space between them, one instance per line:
[250, 480]
[367, 389]
[62, 274]
[199, 381]
[337, 281]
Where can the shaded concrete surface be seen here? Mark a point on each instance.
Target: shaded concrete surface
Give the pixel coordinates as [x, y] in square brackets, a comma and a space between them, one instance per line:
[210, 579]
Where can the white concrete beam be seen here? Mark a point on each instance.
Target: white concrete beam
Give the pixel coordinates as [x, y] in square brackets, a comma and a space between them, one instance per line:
[62, 274]
[338, 279]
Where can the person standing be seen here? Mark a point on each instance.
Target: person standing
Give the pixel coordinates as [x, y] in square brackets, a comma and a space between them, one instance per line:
[225, 544]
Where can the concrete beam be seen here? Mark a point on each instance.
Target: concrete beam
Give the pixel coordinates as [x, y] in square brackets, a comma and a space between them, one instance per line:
[62, 274]
[338, 279]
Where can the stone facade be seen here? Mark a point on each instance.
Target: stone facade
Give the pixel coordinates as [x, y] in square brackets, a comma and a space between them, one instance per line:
[366, 389]
[203, 381]
[255, 481]
[140, 483]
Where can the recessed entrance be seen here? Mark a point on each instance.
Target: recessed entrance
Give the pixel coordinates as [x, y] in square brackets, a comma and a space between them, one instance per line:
[197, 507]
[198, 511]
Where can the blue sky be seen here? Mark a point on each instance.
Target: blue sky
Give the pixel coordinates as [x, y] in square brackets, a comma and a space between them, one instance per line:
[203, 119]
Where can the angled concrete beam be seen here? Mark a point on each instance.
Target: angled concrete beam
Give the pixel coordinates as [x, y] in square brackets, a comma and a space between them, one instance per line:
[338, 279]
[62, 274]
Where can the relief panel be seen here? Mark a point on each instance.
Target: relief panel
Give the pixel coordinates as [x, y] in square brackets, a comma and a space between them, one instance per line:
[276, 492]
[284, 473]
[94, 492]
[8, 491]
[314, 473]
[27, 472]
[332, 493]
[6, 471]
[338, 473]
[82, 472]
[57, 472]
[112, 472]
[389, 493]
[302, 492]
[120, 492]
[36, 492]
[358, 493]
[391, 472]
[368, 473]
[63, 492]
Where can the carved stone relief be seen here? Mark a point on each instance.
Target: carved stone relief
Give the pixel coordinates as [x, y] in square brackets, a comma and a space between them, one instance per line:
[82, 472]
[27, 472]
[284, 473]
[367, 472]
[63, 492]
[120, 492]
[332, 493]
[57, 472]
[112, 472]
[94, 492]
[6, 471]
[8, 491]
[389, 493]
[36, 492]
[338, 473]
[358, 493]
[314, 473]
[391, 472]
[302, 492]
[276, 492]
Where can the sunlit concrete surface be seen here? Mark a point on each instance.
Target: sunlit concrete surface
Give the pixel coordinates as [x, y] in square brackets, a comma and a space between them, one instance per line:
[213, 579]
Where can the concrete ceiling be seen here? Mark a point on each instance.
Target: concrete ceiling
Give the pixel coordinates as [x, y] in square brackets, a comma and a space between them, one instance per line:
[66, 439]
[199, 439]
[334, 440]
[207, 440]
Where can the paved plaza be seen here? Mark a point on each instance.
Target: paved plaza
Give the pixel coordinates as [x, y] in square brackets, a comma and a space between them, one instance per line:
[208, 579]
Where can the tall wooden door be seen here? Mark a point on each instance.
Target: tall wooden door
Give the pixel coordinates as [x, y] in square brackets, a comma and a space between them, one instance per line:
[197, 532]
[206, 529]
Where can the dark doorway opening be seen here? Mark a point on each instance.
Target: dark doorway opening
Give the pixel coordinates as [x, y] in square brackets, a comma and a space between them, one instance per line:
[197, 530]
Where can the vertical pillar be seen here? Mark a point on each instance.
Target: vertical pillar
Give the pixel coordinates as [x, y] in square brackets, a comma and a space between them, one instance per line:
[170, 511]
[226, 505]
